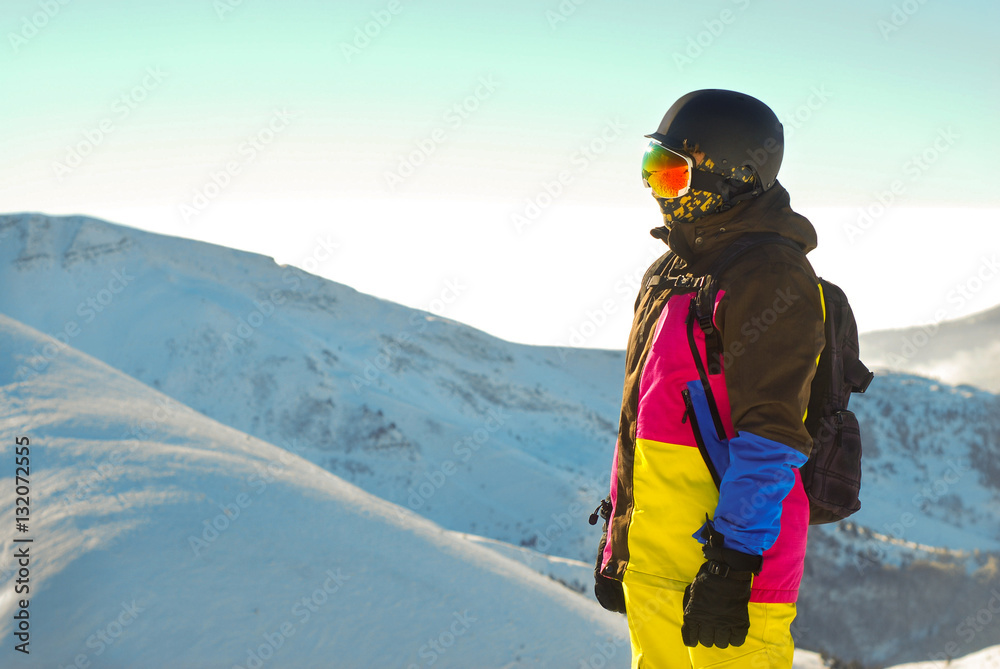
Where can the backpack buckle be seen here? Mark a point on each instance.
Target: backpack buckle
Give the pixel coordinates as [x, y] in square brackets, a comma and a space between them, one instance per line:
[718, 568]
[725, 571]
[685, 281]
[863, 386]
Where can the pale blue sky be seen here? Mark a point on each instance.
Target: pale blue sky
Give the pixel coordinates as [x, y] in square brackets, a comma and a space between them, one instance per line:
[259, 112]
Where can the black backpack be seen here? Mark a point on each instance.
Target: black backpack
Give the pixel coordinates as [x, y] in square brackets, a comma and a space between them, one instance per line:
[832, 475]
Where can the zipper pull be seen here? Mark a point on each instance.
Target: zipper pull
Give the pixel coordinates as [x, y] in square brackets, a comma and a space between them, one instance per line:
[603, 510]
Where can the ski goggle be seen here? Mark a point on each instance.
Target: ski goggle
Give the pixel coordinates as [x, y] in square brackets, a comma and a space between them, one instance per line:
[666, 171]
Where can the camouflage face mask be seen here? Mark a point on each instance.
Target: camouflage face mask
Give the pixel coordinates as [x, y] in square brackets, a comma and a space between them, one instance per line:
[689, 207]
[697, 203]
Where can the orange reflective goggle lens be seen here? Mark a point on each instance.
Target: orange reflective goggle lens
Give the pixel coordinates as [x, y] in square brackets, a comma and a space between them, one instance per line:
[667, 172]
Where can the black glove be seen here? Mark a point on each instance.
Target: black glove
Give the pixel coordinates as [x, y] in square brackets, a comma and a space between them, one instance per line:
[608, 590]
[715, 604]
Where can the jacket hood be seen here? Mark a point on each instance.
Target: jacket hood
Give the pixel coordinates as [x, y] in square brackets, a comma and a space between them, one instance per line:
[703, 239]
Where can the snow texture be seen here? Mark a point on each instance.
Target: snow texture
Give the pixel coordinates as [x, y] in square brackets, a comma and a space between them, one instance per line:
[505, 446]
[199, 546]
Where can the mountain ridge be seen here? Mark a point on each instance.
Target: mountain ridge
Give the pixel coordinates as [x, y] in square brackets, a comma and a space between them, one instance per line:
[960, 351]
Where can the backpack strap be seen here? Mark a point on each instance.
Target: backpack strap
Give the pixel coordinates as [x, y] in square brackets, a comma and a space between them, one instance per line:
[661, 275]
[652, 276]
[859, 376]
[703, 308]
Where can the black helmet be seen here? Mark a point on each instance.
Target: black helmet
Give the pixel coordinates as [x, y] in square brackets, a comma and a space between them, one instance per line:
[732, 129]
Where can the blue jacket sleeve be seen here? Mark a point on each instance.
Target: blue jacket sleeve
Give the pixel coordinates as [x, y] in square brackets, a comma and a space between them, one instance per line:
[760, 475]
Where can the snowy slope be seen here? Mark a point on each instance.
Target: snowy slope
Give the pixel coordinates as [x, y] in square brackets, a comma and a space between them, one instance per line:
[963, 351]
[490, 438]
[198, 546]
[466, 429]
[985, 659]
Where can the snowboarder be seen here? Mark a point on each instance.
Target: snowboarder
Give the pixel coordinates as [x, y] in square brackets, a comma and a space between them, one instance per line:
[710, 575]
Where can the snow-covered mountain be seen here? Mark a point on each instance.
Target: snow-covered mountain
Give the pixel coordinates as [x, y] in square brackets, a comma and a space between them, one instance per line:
[484, 437]
[200, 546]
[984, 659]
[466, 429]
[962, 351]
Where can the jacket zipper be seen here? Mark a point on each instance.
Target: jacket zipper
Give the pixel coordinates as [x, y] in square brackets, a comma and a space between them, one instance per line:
[698, 439]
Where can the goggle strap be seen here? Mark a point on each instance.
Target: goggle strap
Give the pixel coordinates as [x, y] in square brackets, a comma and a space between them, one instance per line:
[707, 181]
[718, 184]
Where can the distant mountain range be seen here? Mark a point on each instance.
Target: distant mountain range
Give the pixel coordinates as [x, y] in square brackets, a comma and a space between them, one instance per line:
[490, 439]
[963, 351]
